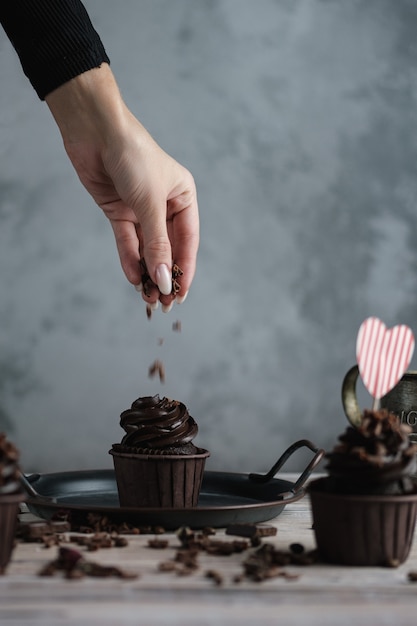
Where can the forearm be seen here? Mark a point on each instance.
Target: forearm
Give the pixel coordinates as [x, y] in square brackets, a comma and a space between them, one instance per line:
[88, 108]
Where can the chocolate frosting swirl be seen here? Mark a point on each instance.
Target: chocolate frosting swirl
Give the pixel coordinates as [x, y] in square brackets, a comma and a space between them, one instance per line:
[152, 422]
[375, 457]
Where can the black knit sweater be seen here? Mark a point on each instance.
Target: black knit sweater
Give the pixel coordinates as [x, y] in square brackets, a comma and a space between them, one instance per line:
[55, 40]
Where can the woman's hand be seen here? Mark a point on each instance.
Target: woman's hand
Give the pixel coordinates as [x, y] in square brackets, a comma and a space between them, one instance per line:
[149, 198]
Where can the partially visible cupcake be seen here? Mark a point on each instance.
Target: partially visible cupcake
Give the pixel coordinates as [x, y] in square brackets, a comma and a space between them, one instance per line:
[375, 457]
[11, 495]
[156, 464]
[364, 511]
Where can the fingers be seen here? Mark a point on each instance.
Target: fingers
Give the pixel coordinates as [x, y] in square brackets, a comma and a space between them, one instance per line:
[157, 254]
[168, 217]
[151, 240]
[183, 232]
[127, 243]
[163, 226]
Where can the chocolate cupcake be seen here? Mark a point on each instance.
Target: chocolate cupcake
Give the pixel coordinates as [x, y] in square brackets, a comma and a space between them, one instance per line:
[377, 457]
[365, 510]
[156, 464]
[11, 496]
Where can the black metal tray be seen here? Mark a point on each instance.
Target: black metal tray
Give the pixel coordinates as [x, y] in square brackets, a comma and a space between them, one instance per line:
[225, 497]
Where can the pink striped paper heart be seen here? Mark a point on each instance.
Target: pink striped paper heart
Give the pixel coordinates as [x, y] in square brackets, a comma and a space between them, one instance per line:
[383, 355]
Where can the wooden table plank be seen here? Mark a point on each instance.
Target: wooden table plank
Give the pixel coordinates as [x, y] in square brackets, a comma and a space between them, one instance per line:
[322, 594]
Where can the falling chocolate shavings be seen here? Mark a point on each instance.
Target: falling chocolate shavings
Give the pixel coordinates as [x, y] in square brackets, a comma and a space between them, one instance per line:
[157, 368]
[176, 326]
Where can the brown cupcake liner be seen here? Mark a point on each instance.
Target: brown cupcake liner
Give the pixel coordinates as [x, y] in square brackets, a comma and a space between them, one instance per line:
[368, 530]
[147, 480]
[9, 509]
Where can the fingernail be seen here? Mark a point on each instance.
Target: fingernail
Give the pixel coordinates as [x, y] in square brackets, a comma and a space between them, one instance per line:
[167, 307]
[163, 279]
[180, 299]
[154, 305]
[139, 287]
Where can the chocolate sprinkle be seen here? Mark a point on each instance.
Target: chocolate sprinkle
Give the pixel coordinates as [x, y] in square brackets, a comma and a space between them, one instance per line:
[73, 565]
[157, 368]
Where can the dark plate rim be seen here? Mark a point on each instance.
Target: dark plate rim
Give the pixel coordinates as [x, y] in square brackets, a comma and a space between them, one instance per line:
[287, 496]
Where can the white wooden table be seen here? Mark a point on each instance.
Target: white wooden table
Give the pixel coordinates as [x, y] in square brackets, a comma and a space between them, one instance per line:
[321, 595]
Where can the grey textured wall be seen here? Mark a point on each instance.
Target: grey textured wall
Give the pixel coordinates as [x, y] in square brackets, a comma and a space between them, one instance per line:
[298, 119]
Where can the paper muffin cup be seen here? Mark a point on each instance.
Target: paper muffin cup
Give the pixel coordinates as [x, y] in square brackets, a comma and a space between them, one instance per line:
[368, 530]
[9, 509]
[159, 480]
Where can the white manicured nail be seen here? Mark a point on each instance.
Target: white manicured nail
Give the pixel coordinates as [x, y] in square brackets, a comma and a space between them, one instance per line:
[139, 287]
[163, 279]
[154, 305]
[180, 299]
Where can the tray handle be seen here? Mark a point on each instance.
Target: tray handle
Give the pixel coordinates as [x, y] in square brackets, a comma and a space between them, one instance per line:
[26, 482]
[318, 455]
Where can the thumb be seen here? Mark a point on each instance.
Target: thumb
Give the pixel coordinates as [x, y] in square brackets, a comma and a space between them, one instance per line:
[157, 250]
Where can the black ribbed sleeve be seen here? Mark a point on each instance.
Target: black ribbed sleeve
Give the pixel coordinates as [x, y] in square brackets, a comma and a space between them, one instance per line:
[55, 40]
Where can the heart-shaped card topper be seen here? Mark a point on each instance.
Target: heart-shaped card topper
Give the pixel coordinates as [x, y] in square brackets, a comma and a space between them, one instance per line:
[383, 355]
